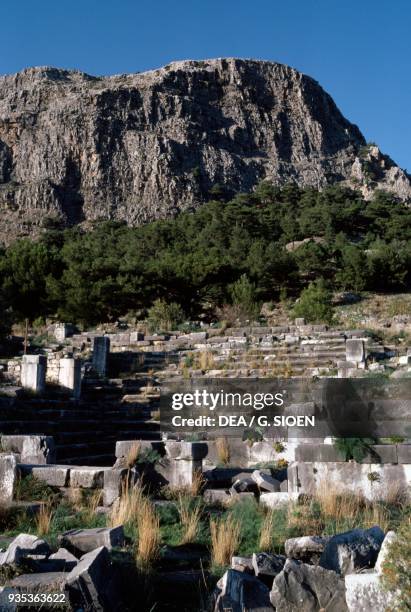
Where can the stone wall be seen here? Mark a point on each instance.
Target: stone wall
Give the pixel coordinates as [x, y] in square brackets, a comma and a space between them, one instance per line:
[372, 480]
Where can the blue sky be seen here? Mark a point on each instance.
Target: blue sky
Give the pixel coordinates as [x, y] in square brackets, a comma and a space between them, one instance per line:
[359, 50]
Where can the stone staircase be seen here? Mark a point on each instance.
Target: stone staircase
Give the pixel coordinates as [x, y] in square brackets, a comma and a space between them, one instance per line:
[125, 406]
[85, 432]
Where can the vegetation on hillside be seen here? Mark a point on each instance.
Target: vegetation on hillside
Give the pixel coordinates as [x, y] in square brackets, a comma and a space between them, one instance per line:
[226, 252]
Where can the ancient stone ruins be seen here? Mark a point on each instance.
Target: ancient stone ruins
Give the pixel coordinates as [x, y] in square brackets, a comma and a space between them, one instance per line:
[77, 414]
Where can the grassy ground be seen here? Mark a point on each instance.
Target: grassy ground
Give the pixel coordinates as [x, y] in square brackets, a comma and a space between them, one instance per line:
[186, 523]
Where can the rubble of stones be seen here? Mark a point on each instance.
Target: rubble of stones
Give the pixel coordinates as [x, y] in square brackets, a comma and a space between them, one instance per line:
[289, 350]
[339, 573]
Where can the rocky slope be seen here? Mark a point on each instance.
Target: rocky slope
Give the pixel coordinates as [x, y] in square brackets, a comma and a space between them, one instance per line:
[142, 146]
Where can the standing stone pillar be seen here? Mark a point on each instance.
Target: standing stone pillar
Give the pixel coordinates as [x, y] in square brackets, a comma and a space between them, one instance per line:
[355, 351]
[70, 375]
[101, 350]
[33, 373]
[62, 331]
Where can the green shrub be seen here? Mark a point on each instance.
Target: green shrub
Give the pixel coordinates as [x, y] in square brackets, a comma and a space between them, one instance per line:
[354, 448]
[163, 316]
[314, 304]
[243, 294]
[396, 570]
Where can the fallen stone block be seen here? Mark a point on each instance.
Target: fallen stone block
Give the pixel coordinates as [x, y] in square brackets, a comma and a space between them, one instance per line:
[365, 592]
[216, 496]
[80, 541]
[63, 560]
[88, 477]
[86, 584]
[267, 565]
[390, 537]
[24, 545]
[276, 500]
[306, 548]
[40, 582]
[266, 482]
[354, 550]
[244, 485]
[307, 587]
[8, 472]
[240, 497]
[239, 591]
[242, 564]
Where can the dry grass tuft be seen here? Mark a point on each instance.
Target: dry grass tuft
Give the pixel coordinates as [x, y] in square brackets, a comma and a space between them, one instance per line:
[337, 504]
[125, 510]
[190, 516]
[266, 532]
[223, 450]
[198, 483]
[92, 503]
[225, 539]
[395, 494]
[205, 360]
[43, 520]
[149, 536]
[133, 454]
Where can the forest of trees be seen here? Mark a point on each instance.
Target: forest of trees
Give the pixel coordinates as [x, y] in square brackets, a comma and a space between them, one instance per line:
[195, 258]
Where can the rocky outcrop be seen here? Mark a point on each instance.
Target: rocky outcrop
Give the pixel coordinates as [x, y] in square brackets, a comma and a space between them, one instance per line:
[77, 149]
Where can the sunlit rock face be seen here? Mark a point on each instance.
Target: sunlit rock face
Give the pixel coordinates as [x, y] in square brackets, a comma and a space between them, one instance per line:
[138, 147]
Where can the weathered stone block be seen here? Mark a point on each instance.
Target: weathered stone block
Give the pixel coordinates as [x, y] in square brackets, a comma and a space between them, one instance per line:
[80, 541]
[101, 350]
[268, 564]
[404, 453]
[346, 553]
[86, 584]
[365, 592]
[317, 452]
[88, 477]
[307, 587]
[22, 546]
[216, 496]
[266, 482]
[53, 475]
[69, 376]
[31, 448]
[114, 480]
[240, 591]
[45, 581]
[355, 350]
[390, 537]
[276, 500]
[63, 560]
[8, 472]
[33, 373]
[242, 564]
[307, 549]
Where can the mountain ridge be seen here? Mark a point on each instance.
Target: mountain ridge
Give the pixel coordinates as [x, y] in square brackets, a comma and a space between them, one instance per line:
[78, 148]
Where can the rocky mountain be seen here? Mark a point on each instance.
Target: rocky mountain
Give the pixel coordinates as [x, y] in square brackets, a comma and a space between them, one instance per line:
[78, 148]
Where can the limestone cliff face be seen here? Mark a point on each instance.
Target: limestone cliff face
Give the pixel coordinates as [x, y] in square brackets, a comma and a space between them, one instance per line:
[144, 146]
